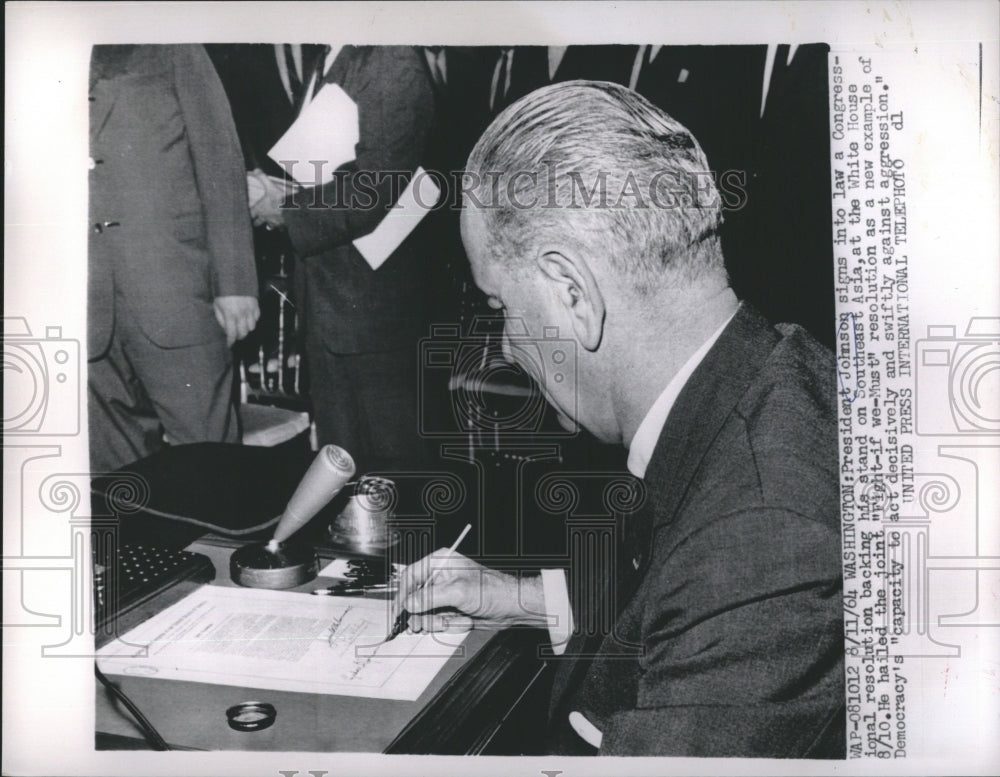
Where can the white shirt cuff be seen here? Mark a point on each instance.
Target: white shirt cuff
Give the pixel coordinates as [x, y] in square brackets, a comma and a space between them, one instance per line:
[588, 732]
[558, 613]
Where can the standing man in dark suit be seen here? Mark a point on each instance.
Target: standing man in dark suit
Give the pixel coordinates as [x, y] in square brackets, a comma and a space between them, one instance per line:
[458, 75]
[266, 85]
[519, 70]
[727, 635]
[362, 325]
[715, 91]
[172, 283]
[758, 113]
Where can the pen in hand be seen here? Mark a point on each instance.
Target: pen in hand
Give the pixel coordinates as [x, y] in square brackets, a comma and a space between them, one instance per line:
[403, 619]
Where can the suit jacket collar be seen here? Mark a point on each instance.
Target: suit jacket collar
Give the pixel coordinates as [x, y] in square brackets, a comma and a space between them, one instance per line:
[337, 72]
[703, 406]
[106, 63]
[109, 61]
[706, 401]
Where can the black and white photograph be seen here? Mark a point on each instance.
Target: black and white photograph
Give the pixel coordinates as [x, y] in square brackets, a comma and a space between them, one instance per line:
[560, 382]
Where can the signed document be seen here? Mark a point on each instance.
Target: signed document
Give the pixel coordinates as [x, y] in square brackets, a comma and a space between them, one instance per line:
[281, 641]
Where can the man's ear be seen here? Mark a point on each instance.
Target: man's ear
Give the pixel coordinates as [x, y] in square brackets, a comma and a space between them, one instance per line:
[576, 288]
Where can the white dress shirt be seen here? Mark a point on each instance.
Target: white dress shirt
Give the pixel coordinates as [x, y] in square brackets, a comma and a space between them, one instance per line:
[282, 62]
[556, 54]
[557, 608]
[500, 83]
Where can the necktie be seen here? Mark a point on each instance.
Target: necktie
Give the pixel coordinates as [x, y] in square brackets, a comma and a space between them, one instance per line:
[435, 57]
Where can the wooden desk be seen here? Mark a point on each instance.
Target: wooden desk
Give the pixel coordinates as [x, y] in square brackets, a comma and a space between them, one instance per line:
[491, 700]
[484, 700]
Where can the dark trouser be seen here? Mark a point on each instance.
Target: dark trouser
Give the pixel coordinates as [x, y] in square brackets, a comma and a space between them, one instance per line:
[367, 404]
[138, 392]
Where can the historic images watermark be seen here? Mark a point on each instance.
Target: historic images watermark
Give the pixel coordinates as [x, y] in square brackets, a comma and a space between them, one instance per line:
[551, 187]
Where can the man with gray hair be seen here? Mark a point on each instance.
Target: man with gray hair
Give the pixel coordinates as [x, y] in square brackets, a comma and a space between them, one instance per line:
[591, 212]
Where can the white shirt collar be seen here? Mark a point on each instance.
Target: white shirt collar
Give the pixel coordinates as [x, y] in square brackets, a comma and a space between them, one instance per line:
[331, 57]
[641, 448]
[556, 54]
[327, 63]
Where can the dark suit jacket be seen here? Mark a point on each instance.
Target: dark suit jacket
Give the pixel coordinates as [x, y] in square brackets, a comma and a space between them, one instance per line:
[530, 68]
[350, 307]
[714, 91]
[169, 223]
[789, 215]
[261, 107]
[462, 105]
[777, 244]
[596, 63]
[736, 603]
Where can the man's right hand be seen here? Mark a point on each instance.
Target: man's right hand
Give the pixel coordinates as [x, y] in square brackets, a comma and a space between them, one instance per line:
[481, 596]
[237, 316]
[265, 209]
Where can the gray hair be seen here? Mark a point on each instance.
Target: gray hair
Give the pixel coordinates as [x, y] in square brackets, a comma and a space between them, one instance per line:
[596, 164]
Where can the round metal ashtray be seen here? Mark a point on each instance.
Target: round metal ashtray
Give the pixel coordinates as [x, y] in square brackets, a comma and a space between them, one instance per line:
[254, 566]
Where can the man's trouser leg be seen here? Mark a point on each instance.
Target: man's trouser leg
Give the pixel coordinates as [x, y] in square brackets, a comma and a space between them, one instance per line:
[367, 404]
[137, 387]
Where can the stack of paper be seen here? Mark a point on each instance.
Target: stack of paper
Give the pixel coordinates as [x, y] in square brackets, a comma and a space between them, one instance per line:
[281, 641]
[325, 131]
[416, 201]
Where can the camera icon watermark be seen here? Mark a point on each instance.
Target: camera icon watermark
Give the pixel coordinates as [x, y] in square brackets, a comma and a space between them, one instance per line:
[497, 384]
[958, 380]
[41, 377]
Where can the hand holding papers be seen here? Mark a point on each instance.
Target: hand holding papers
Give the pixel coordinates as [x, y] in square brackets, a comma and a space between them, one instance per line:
[419, 197]
[323, 138]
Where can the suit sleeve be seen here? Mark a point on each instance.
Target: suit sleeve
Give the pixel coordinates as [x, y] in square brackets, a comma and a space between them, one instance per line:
[395, 116]
[744, 648]
[219, 170]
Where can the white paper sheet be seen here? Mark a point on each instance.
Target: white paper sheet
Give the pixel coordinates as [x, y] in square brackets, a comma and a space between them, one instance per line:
[281, 641]
[326, 130]
[338, 568]
[417, 200]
